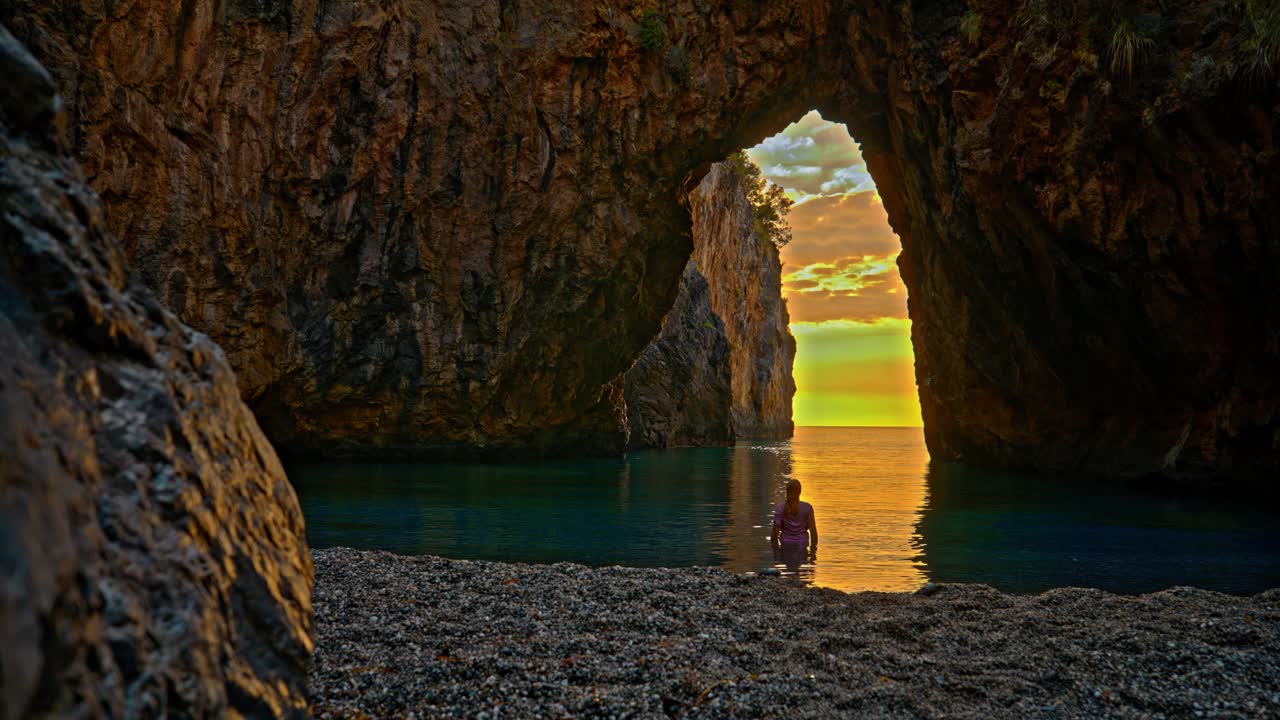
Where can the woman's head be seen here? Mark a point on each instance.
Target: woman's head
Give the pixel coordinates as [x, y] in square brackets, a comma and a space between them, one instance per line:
[793, 497]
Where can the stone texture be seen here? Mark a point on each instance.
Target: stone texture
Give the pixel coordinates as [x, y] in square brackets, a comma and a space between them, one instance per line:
[419, 228]
[745, 276]
[705, 380]
[680, 391]
[447, 227]
[151, 549]
[1091, 258]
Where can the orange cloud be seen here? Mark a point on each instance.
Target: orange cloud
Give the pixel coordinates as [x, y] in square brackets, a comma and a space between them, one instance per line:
[842, 263]
[839, 226]
[848, 305]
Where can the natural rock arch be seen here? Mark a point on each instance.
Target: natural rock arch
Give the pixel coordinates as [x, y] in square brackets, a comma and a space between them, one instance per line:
[445, 228]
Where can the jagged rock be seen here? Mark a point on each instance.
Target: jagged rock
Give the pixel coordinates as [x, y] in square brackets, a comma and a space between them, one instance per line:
[705, 380]
[680, 392]
[153, 555]
[417, 228]
[440, 226]
[745, 276]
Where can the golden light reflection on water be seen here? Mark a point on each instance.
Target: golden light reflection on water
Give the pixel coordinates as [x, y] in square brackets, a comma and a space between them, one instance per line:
[866, 505]
[867, 491]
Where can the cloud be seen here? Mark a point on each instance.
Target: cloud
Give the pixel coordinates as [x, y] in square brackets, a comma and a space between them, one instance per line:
[848, 305]
[811, 157]
[849, 179]
[850, 225]
[783, 173]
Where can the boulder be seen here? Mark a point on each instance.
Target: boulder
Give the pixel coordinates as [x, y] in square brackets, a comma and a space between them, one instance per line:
[152, 554]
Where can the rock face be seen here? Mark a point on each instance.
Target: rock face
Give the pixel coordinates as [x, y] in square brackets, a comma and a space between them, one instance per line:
[1091, 252]
[445, 227]
[745, 276]
[680, 391]
[706, 380]
[154, 561]
[426, 228]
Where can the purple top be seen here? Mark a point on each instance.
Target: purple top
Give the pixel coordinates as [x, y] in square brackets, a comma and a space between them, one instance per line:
[794, 528]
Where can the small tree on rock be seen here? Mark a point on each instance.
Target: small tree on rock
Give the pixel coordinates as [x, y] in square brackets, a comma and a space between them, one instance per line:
[769, 201]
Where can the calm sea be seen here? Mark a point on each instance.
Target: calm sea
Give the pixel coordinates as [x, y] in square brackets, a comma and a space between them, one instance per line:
[887, 519]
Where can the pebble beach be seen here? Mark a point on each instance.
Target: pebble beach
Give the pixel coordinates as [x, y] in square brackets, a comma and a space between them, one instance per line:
[428, 637]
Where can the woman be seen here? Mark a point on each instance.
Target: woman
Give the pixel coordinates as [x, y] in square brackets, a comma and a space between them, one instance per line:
[794, 529]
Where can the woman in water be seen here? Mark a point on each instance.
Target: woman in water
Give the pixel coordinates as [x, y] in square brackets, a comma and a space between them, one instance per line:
[794, 529]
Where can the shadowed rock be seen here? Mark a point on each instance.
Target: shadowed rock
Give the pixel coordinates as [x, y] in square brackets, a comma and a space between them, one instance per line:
[745, 276]
[151, 549]
[680, 391]
[442, 227]
[720, 369]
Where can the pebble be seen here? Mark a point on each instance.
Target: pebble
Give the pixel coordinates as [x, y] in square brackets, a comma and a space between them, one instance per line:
[456, 639]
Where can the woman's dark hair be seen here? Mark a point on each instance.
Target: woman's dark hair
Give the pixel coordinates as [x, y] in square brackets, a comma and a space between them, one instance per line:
[793, 498]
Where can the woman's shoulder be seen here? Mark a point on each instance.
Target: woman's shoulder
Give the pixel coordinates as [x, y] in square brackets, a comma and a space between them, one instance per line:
[806, 506]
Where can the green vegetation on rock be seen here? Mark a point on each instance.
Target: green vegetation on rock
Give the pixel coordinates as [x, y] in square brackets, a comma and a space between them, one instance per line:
[1259, 39]
[971, 26]
[770, 201]
[1127, 47]
[652, 34]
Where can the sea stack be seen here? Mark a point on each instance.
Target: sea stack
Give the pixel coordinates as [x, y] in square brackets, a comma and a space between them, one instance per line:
[720, 369]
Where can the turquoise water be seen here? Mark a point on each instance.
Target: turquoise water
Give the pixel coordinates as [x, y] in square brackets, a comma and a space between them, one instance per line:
[887, 518]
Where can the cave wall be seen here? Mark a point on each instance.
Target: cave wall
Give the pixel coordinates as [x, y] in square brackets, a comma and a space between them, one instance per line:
[153, 556]
[1091, 252]
[427, 228]
[444, 227]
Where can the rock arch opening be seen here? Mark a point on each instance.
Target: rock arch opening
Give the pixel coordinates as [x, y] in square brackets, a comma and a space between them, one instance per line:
[847, 301]
[449, 235]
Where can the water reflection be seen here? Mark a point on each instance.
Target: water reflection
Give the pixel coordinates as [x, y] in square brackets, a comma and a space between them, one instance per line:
[866, 496]
[1027, 534]
[886, 519]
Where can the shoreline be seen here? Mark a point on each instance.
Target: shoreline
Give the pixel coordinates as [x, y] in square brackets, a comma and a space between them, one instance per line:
[401, 636]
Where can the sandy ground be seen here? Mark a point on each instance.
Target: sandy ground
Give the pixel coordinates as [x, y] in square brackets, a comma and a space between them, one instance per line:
[433, 638]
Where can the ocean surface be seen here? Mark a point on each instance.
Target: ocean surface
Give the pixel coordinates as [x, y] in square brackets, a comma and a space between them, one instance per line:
[887, 518]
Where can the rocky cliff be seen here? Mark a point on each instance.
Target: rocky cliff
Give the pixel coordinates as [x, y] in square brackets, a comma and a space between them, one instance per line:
[745, 276]
[447, 227]
[416, 227]
[680, 391]
[720, 369]
[153, 556]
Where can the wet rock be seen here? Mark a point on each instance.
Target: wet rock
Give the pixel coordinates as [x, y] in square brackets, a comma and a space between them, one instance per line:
[153, 553]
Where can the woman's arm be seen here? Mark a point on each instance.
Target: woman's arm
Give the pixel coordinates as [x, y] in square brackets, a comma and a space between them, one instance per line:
[813, 533]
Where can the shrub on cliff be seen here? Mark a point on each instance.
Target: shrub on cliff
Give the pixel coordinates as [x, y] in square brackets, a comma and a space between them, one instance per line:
[652, 35]
[769, 201]
[1259, 41]
[971, 26]
[1127, 47]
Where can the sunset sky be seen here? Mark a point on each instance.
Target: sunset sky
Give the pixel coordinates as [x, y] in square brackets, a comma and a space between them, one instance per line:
[848, 305]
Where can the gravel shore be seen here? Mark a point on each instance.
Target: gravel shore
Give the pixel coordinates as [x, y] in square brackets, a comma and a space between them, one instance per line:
[427, 637]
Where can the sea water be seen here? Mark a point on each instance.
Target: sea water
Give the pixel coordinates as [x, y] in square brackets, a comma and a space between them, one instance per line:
[887, 518]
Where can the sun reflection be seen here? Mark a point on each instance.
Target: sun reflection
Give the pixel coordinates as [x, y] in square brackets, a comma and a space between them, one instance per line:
[866, 505]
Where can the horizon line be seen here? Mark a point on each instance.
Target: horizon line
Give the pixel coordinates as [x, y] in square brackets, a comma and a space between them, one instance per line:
[881, 427]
